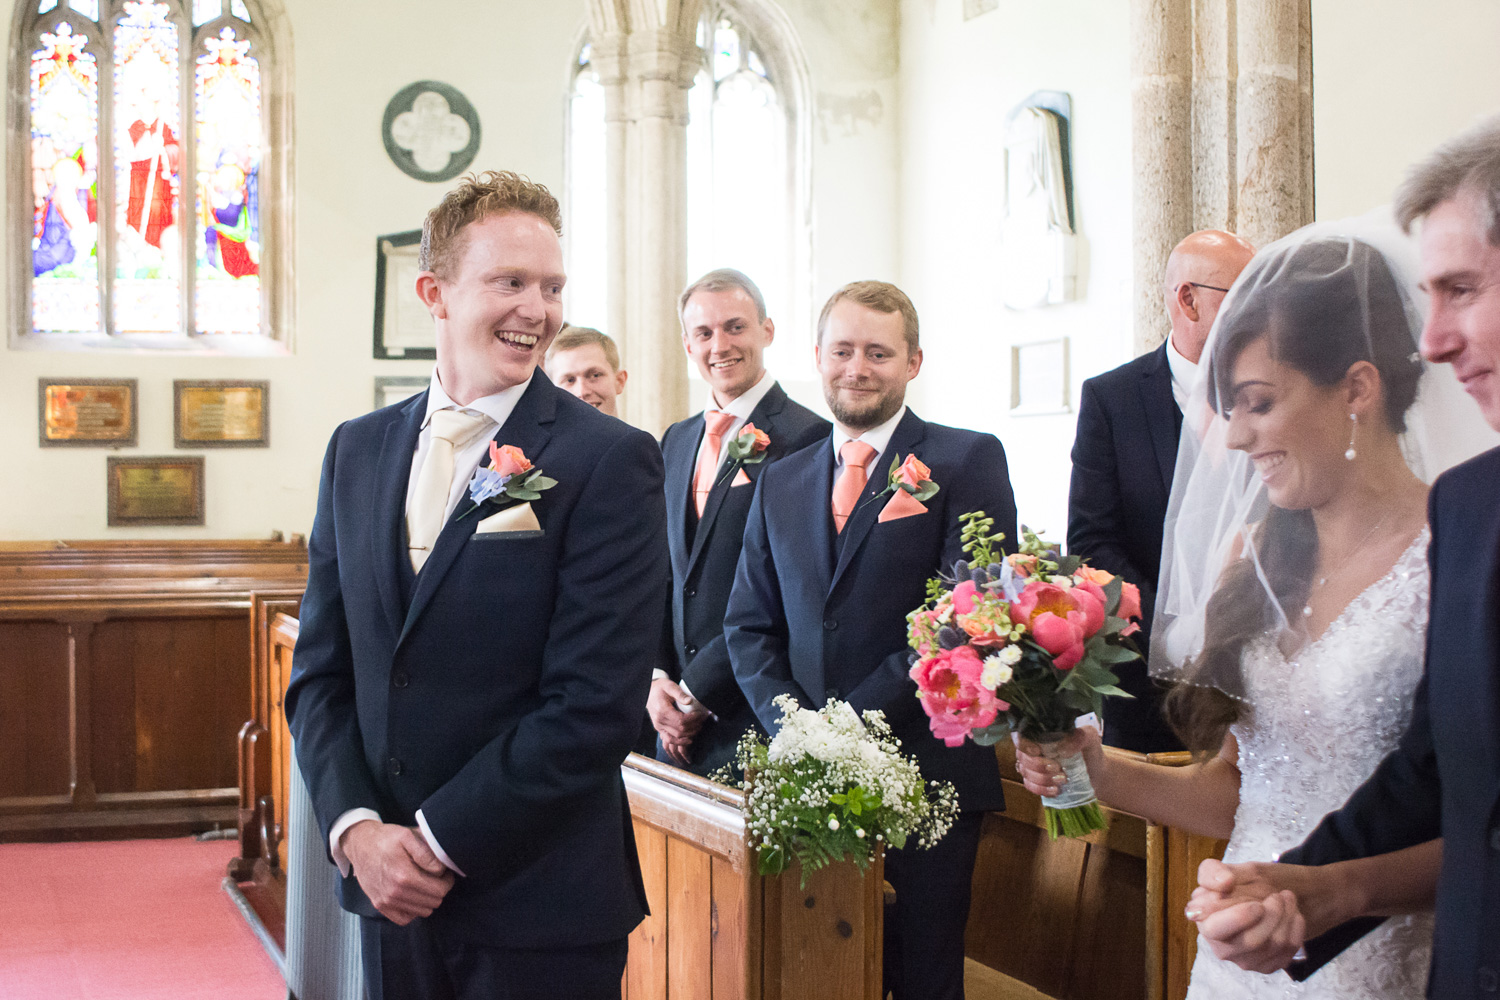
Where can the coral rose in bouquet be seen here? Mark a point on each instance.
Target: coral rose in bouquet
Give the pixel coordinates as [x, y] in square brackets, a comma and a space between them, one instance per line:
[1023, 644]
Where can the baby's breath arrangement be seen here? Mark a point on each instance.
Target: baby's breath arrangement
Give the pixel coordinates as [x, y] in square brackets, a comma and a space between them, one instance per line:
[832, 786]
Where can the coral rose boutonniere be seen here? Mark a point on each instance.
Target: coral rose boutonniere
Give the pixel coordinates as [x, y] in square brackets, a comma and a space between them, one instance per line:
[911, 476]
[748, 447]
[510, 476]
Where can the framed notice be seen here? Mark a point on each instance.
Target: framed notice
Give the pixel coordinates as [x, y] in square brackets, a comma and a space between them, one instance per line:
[221, 414]
[403, 326]
[394, 388]
[155, 491]
[87, 412]
[1039, 378]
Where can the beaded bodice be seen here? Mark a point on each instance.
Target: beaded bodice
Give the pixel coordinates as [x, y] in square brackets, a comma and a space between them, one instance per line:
[1317, 724]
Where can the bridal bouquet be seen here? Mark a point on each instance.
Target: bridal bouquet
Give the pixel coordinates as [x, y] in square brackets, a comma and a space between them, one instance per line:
[832, 785]
[1023, 643]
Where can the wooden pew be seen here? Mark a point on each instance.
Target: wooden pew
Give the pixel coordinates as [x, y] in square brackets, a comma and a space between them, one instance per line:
[264, 742]
[123, 682]
[1093, 919]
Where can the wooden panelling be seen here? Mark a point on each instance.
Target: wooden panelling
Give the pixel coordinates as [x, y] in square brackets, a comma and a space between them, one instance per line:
[646, 971]
[690, 929]
[34, 709]
[127, 666]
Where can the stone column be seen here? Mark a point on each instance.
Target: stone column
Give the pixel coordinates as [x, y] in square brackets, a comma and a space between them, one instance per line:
[1214, 70]
[1273, 118]
[1162, 152]
[663, 65]
[610, 59]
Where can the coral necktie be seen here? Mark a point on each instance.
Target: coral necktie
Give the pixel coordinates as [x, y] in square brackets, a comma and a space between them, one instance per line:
[855, 455]
[716, 423]
[429, 504]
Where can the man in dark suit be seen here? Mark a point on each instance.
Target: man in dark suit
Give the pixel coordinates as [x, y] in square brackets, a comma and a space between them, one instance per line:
[828, 576]
[467, 681]
[1443, 778]
[1125, 451]
[725, 331]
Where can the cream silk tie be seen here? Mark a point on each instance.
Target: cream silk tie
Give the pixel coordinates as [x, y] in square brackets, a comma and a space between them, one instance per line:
[429, 504]
[716, 423]
[855, 455]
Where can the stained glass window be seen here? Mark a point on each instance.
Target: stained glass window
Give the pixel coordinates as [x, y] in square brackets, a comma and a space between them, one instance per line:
[158, 229]
[228, 258]
[65, 183]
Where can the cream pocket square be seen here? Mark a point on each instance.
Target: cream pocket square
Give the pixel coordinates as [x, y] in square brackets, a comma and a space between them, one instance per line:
[509, 521]
[740, 479]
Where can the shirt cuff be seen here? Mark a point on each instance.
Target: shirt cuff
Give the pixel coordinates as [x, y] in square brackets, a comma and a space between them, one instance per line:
[437, 848]
[658, 674]
[341, 824]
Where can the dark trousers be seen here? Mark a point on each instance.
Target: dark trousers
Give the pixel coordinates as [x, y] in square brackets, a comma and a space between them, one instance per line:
[924, 930]
[415, 962]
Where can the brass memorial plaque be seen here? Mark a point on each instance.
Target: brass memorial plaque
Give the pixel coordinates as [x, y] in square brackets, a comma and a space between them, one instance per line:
[155, 491]
[86, 411]
[221, 414]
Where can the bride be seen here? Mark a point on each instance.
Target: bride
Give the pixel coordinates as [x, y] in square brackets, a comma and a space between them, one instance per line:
[1294, 588]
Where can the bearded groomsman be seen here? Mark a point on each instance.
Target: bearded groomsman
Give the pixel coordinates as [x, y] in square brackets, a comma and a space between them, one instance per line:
[713, 460]
[830, 569]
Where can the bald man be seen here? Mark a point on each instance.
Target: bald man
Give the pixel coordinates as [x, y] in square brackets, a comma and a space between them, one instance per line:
[1124, 453]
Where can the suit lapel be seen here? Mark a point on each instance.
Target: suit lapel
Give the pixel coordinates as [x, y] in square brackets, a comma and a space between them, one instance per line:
[1163, 418]
[529, 429]
[680, 458]
[388, 533]
[763, 417]
[909, 434]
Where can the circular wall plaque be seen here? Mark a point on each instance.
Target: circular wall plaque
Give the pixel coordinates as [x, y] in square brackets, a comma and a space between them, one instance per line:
[431, 131]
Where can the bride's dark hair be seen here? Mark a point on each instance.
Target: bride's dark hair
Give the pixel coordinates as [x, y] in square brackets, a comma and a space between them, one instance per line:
[1325, 305]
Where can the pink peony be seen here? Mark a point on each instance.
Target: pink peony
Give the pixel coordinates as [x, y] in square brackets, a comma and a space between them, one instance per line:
[1130, 601]
[952, 695]
[963, 597]
[1060, 619]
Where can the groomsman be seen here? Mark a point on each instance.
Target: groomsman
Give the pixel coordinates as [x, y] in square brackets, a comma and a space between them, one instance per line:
[1443, 778]
[468, 681]
[824, 585]
[586, 363]
[1124, 454]
[696, 706]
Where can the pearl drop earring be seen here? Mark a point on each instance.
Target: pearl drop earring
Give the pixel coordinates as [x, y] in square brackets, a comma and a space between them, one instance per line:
[1353, 429]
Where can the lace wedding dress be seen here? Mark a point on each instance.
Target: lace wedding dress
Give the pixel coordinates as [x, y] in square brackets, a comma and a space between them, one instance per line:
[1317, 725]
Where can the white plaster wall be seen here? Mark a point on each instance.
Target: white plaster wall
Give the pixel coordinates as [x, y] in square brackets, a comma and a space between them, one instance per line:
[1391, 80]
[510, 59]
[958, 81]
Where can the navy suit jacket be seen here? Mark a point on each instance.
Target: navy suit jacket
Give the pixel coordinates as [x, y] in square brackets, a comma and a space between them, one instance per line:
[705, 552]
[1124, 453]
[822, 615]
[500, 689]
[1443, 778]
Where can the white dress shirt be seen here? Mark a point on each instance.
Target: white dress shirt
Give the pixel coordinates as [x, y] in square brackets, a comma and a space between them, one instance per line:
[1184, 376]
[467, 456]
[877, 437]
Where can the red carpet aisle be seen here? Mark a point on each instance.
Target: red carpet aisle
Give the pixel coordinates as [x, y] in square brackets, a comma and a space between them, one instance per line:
[126, 920]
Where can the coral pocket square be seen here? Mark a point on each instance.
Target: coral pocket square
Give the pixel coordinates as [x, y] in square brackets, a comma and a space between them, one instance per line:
[509, 521]
[902, 504]
[740, 479]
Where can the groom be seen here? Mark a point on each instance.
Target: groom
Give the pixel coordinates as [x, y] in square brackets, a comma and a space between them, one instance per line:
[467, 682]
[1443, 779]
[832, 564]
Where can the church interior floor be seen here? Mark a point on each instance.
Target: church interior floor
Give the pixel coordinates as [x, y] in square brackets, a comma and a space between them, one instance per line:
[126, 920]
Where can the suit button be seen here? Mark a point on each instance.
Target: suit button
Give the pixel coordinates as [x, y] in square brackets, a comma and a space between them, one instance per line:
[690, 592]
[1489, 981]
[690, 650]
[394, 766]
[399, 679]
[830, 624]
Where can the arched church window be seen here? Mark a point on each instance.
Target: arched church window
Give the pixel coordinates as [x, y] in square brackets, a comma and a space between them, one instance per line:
[586, 221]
[148, 148]
[746, 208]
